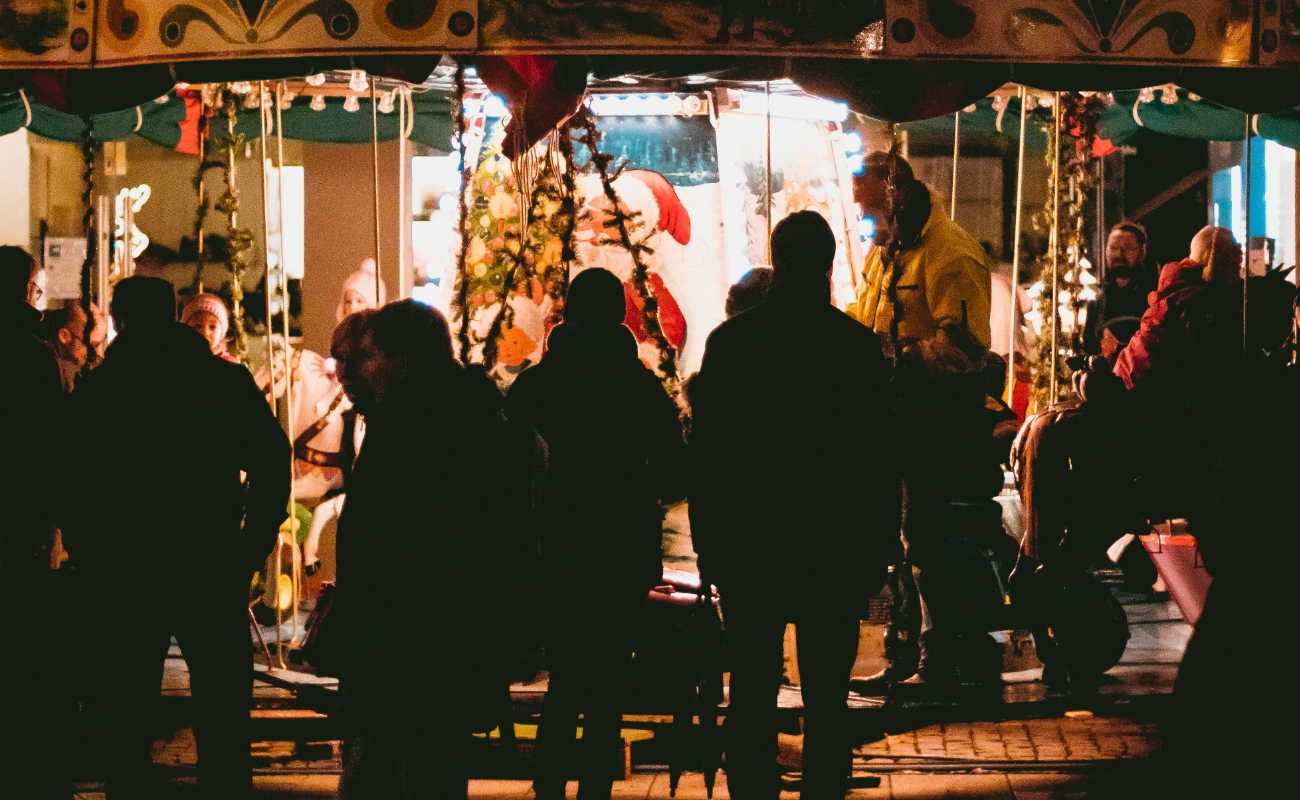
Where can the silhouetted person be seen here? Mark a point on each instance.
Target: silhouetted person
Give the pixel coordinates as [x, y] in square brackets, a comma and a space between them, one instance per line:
[794, 504]
[33, 702]
[727, 14]
[433, 487]
[615, 446]
[169, 536]
[1128, 280]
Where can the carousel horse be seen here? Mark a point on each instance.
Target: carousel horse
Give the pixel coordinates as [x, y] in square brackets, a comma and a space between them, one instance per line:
[1088, 474]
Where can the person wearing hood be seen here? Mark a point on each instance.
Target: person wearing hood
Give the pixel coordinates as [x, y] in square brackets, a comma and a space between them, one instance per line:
[1128, 280]
[924, 273]
[792, 516]
[616, 454]
[33, 693]
[168, 541]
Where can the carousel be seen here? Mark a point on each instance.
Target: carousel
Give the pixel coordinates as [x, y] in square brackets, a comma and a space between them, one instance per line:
[284, 164]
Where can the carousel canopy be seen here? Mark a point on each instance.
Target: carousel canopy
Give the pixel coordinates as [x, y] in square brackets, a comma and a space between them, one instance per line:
[890, 59]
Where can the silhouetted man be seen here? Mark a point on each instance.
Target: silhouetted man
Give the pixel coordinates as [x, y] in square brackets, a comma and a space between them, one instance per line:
[794, 504]
[615, 446]
[32, 698]
[169, 536]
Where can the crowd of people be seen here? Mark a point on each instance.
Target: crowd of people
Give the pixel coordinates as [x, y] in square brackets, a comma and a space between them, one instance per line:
[821, 450]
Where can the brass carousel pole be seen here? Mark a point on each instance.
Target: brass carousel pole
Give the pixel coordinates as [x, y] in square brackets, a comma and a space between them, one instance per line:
[1015, 243]
[956, 149]
[266, 246]
[288, 376]
[374, 163]
[767, 89]
[270, 355]
[405, 281]
[1054, 237]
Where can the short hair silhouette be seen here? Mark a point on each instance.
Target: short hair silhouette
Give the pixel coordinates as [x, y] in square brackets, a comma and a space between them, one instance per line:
[880, 164]
[143, 301]
[16, 268]
[803, 248]
[595, 297]
[412, 330]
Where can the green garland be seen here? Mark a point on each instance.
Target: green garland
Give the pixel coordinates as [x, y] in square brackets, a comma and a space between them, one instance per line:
[461, 294]
[619, 221]
[238, 240]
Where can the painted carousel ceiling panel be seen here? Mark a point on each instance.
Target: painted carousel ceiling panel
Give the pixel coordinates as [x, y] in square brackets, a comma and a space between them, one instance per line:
[1186, 32]
[45, 33]
[726, 27]
[138, 31]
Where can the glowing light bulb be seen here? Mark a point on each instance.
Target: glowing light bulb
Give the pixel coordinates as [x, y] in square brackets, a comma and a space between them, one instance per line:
[351, 104]
[241, 87]
[316, 80]
[385, 104]
[317, 102]
[286, 98]
[250, 101]
[358, 82]
[1168, 95]
[1147, 95]
[999, 102]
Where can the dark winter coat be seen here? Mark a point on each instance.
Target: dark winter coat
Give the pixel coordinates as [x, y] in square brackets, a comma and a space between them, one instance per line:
[30, 407]
[161, 506]
[428, 552]
[615, 454]
[795, 475]
[1114, 301]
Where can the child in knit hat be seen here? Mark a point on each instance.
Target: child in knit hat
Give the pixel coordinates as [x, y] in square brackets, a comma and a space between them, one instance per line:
[207, 314]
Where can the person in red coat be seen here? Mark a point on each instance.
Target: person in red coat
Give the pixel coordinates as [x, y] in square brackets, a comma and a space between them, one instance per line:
[1193, 319]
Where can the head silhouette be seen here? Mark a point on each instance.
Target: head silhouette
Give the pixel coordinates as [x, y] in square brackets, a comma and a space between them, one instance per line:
[803, 249]
[142, 302]
[17, 272]
[405, 343]
[595, 298]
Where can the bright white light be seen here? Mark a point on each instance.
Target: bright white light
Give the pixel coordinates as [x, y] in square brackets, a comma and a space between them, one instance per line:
[699, 79]
[316, 80]
[626, 79]
[317, 102]
[385, 105]
[640, 105]
[867, 228]
[495, 106]
[1168, 95]
[358, 82]
[351, 103]
[794, 106]
[852, 142]
[857, 163]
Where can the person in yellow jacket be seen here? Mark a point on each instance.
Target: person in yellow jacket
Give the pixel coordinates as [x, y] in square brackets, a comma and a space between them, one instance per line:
[926, 290]
[940, 274]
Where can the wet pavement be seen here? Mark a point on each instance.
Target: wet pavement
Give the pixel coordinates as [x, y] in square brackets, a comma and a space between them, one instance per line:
[1029, 742]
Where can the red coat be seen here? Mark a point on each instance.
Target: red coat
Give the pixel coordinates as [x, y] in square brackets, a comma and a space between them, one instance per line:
[1189, 327]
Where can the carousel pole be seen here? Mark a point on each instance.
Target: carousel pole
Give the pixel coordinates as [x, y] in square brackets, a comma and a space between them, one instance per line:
[956, 149]
[767, 90]
[374, 164]
[1100, 254]
[1015, 244]
[1245, 266]
[288, 378]
[1054, 238]
[266, 240]
[406, 281]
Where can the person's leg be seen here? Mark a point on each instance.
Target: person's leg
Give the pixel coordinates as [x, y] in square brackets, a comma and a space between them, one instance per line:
[553, 755]
[828, 646]
[603, 712]
[754, 638]
[215, 642]
[124, 704]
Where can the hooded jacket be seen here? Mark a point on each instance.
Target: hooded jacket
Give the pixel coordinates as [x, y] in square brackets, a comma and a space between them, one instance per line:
[945, 269]
[1189, 329]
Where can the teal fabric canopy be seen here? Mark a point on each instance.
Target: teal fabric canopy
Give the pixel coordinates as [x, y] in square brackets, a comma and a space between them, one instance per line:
[160, 122]
[156, 122]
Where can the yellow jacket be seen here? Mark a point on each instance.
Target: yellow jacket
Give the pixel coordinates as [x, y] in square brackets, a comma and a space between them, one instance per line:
[946, 268]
